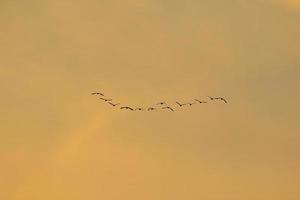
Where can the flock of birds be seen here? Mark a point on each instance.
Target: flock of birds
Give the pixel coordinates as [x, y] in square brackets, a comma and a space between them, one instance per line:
[158, 106]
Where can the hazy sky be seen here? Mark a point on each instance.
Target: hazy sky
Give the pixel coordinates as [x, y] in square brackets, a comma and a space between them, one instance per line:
[58, 142]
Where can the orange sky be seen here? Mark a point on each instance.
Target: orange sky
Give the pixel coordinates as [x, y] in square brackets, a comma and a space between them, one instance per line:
[59, 142]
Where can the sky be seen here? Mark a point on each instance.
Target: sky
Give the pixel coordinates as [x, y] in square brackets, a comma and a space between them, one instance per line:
[57, 141]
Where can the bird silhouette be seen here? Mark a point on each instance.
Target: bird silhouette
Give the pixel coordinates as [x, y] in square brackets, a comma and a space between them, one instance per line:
[190, 104]
[180, 104]
[168, 107]
[113, 104]
[126, 108]
[200, 101]
[151, 108]
[139, 109]
[105, 99]
[222, 99]
[97, 93]
[161, 103]
[211, 98]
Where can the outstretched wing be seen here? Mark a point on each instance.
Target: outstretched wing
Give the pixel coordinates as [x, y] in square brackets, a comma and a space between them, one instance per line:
[224, 100]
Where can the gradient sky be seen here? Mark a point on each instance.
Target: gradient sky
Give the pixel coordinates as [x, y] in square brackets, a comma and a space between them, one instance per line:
[58, 142]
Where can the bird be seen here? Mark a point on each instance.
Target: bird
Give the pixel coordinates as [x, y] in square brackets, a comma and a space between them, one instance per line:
[161, 103]
[127, 108]
[200, 101]
[211, 98]
[97, 93]
[151, 108]
[113, 104]
[139, 109]
[222, 99]
[105, 99]
[180, 104]
[190, 104]
[168, 107]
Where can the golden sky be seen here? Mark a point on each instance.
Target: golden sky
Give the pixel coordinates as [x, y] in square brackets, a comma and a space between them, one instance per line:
[58, 142]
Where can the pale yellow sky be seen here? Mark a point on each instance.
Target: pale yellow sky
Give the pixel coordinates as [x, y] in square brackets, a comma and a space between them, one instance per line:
[59, 142]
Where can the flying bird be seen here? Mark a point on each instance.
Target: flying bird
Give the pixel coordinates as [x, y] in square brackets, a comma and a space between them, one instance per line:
[211, 98]
[200, 101]
[105, 99]
[113, 104]
[127, 108]
[97, 93]
[151, 108]
[180, 104]
[168, 107]
[190, 104]
[222, 99]
[139, 109]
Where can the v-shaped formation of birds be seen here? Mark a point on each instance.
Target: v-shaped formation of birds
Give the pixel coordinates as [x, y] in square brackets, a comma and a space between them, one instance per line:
[159, 105]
